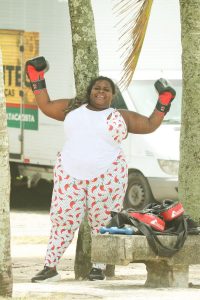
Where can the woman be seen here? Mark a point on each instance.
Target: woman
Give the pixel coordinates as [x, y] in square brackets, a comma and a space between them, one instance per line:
[91, 171]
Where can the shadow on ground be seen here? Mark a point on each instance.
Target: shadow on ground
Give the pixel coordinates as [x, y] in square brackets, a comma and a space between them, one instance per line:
[36, 198]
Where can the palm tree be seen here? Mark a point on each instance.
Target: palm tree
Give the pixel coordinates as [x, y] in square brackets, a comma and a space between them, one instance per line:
[5, 258]
[84, 45]
[85, 68]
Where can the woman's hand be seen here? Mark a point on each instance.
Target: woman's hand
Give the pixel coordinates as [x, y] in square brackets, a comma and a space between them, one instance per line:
[35, 69]
[166, 95]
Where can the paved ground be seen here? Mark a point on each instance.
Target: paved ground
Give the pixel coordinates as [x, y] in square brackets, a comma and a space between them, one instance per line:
[30, 230]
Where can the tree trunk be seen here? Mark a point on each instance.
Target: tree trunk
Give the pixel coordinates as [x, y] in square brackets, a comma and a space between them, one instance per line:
[5, 258]
[83, 263]
[84, 44]
[189, 171]
[85, 68]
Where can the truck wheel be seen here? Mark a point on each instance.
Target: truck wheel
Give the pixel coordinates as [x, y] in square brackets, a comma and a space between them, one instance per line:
[138, 192]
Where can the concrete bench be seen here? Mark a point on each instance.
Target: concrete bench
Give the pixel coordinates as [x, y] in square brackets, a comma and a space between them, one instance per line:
[117, 249]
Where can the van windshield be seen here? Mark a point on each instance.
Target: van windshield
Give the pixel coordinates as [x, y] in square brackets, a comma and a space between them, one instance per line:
[144, 97]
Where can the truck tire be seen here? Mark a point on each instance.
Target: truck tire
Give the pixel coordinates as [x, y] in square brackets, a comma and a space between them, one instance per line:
[138, 192]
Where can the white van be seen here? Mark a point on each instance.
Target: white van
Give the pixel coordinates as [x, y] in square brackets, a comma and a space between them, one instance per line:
[153, 159]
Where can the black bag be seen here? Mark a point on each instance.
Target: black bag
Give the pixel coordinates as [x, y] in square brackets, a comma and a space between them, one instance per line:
[158, 219]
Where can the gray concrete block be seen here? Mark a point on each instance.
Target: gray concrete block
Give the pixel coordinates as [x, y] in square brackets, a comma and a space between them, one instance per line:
[161, 271]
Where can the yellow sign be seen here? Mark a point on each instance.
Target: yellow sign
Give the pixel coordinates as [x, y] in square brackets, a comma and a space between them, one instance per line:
[17, 47]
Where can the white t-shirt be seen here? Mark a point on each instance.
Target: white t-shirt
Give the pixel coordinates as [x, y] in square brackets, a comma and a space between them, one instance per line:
[93, 141]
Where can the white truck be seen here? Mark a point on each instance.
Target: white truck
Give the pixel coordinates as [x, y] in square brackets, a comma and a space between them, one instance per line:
[35, 139]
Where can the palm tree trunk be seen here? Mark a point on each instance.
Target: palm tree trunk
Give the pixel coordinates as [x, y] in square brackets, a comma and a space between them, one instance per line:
[84, 44]
[85, 68]
[5, 259]
[189, 171]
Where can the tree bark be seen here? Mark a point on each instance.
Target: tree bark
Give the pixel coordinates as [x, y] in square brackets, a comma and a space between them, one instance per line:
[85, 68]
[189, 170]
[5, 258]
[84, 44]
[83, 263]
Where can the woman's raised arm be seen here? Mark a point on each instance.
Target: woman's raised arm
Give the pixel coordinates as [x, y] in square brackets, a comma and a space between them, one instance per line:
[137, 123]
[56, 109]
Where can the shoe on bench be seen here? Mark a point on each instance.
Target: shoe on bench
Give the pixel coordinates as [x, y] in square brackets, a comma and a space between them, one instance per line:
[46, 275]
[96, 274]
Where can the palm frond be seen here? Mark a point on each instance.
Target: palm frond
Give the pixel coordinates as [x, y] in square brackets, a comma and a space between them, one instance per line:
[132, 18]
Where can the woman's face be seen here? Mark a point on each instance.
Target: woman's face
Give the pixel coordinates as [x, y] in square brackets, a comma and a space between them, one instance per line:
[101, 95]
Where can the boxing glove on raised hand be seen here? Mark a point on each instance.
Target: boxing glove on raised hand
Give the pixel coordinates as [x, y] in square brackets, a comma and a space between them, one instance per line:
[166, 95]
[35, 69]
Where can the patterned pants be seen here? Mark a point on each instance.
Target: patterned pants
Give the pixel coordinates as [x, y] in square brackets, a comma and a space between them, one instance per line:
[72, 197]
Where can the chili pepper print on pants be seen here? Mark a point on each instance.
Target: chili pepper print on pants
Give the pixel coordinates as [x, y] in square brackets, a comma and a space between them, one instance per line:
[72, 197]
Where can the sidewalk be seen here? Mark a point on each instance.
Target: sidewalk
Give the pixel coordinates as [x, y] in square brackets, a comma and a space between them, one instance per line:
[30, 232]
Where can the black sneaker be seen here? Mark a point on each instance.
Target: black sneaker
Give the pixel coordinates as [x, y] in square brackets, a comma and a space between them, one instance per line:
[96, 274]
[46, 275]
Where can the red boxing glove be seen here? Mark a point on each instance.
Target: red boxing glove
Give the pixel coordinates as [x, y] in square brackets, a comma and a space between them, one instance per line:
[166, 98]
[166, 95]
[35, 69]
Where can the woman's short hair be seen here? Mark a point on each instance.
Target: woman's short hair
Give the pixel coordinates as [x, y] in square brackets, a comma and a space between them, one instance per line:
[93, 81]
[75, 102]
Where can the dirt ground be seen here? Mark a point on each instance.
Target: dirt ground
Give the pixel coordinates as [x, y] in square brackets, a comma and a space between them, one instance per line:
[29, 236]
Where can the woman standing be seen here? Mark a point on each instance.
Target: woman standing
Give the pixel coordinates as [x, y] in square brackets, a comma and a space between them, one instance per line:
[91, 172]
